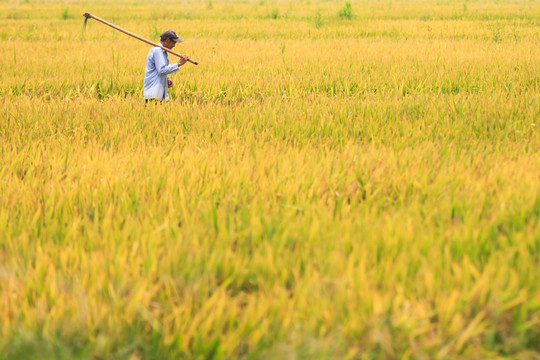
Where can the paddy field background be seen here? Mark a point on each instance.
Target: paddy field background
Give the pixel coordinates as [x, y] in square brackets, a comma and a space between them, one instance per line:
[332, 181]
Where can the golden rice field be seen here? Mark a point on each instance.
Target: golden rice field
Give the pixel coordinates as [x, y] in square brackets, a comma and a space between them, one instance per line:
[331, 182]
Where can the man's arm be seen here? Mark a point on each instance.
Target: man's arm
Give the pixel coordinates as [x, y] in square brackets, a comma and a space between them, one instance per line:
[161, 66]
[182, 60]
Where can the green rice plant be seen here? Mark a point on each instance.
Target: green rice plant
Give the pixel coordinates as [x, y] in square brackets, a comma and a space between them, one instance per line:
[65, 14]
[317, 19]
[515, 33]
[346, 12]
[497, 32]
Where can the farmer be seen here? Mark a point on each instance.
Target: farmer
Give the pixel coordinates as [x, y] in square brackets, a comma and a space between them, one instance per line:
[156, 83]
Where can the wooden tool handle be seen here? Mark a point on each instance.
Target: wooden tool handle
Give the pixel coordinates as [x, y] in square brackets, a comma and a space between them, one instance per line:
[88, 15]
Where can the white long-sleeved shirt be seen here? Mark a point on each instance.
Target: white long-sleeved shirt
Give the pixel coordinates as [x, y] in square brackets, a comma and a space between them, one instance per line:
[155, 74]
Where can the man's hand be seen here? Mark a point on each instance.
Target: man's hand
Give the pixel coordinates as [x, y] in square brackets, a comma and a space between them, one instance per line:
[169, 83]
[183, 59]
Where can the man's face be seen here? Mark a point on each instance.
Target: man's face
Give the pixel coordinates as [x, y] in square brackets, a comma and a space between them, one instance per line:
[169, 44]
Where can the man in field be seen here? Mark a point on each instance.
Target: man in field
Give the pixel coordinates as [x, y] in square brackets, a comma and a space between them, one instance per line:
[156, 83]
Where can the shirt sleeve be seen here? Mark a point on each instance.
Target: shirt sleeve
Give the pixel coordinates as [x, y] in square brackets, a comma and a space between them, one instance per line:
[161, 65]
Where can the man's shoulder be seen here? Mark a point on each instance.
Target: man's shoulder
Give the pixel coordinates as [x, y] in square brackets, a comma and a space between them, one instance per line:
[156, 50]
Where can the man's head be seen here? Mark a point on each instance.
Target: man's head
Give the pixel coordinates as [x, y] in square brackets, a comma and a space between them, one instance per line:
[169, 39]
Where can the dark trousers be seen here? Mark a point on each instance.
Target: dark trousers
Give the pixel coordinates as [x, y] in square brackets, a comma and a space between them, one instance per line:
[153, 101]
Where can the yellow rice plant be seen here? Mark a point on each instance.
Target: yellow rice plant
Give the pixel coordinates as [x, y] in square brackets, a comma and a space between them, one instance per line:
[318, 187]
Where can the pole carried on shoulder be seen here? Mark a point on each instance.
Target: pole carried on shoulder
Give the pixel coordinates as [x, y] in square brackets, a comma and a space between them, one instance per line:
[90, 16]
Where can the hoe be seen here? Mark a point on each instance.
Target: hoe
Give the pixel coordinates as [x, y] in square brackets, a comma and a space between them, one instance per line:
[90, 16]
